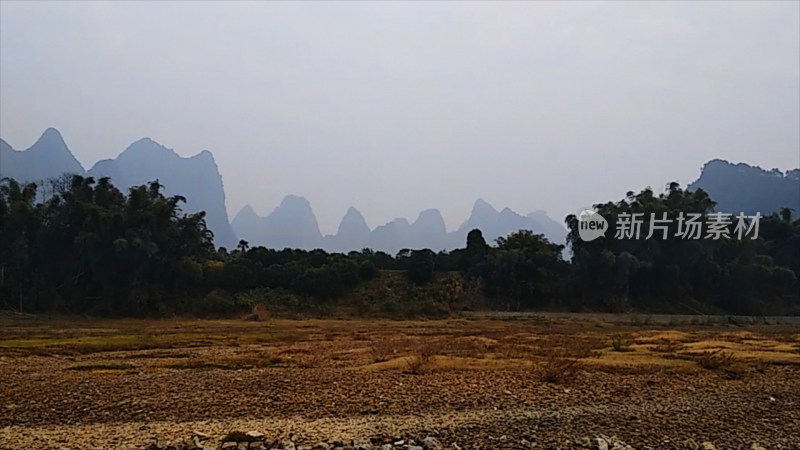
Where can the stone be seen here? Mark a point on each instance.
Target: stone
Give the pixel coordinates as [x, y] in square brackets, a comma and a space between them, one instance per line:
[708, 446]
[431, 443]
[757, 446]
[602, 444]
[255, 434]
[414, 447]
[690, 444]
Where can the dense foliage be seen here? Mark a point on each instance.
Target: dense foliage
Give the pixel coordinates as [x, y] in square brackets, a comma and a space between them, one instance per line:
[86, 247]
[740, 276]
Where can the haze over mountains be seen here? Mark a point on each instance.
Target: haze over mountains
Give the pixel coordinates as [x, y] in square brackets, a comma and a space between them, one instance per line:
[196, 178]
[736, 187]
[745, 188]
[48, 157]
[293, 224]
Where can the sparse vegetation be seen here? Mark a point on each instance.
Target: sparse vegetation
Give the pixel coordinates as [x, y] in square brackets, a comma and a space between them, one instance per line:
[231, 369]
[420, 360]
[232, 363]
[386, 348]
[106, 366]
[715, 360]
[557, 367]
[621, 342]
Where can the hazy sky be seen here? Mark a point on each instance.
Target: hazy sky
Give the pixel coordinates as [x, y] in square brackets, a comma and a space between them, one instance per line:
[397, 107]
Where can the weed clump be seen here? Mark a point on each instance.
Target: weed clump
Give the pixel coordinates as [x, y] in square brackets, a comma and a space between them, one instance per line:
[715, 360]
[420, 360]
[621, 342]
[563, 364]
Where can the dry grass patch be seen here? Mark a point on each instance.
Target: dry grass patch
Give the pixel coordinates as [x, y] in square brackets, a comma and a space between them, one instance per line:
[420, 359]
[666, 336]
[621, 342]
[562, 363]
[231, 363]
[387, 347]
[720, 361]
[558, 368]
[304, 357]
[104, 367]
[668, 347]
[133, 342]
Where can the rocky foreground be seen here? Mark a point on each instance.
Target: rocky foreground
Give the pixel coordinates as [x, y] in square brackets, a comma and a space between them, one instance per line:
[353, 385]
[257, 441]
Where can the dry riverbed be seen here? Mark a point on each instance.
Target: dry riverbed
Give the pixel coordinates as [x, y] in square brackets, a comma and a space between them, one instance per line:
[533, 382]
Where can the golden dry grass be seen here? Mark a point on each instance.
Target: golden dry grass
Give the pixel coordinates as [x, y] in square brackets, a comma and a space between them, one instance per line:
[559, 345]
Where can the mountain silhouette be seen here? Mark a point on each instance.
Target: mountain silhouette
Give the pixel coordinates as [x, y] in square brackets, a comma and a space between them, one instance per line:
[291, 225]
[743, 188]
[353, 233]
[49, 157]
[428, 231]
[196, 178]
[494, 224]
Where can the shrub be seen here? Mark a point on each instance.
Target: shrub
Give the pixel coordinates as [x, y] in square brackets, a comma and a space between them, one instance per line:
[215, 302]
[260, 313]
[558, 368]
[367, 270]
[562, 364]
[620, 342]
[420, 266]
[715, 360]
[419, 362]
[385, 349]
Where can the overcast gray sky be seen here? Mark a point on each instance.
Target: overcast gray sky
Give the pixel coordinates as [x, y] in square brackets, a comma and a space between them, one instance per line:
[397, 107]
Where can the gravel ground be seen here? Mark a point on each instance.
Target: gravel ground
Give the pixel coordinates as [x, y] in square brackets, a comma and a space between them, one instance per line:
[470, 407]
[140, 401]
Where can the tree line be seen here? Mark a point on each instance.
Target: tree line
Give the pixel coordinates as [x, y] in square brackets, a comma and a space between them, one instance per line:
[89, 248]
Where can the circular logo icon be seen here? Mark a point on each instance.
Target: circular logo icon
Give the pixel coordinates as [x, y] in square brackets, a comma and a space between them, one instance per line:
[591, 225]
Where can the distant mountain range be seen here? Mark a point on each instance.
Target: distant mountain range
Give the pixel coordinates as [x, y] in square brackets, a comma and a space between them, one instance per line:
[196, 178]
[743, 188]
[47, 158]
[735, 188]
[293, 224]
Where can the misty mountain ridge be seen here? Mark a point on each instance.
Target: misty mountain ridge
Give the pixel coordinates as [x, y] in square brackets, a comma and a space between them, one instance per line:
[49, 157]
[735, 188]
[290, 225]
[427, 231]
[197, 178]
[744, 188]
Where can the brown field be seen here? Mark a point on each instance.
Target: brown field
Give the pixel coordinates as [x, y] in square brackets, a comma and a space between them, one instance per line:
[536, 381]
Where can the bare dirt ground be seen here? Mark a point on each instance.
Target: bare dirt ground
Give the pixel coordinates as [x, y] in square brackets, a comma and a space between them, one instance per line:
[533, 381]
